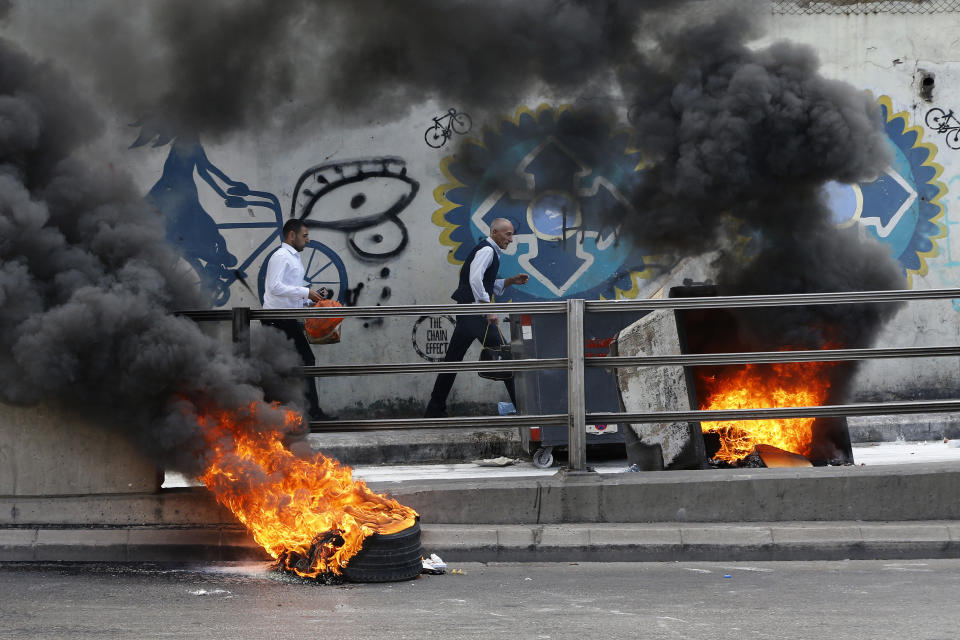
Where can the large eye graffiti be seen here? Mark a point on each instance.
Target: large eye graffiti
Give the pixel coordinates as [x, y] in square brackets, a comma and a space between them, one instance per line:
[379, 241]
[361, 198]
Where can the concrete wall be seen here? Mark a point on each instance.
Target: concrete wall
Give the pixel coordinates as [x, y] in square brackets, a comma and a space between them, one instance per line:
[422, 224]
[45, 452]
[225, 200]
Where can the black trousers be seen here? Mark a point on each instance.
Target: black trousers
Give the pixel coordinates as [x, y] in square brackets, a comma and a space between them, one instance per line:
[294, 331]
[468, 329]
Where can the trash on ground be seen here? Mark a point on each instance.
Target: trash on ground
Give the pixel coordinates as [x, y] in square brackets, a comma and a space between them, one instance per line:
[775, 457]
[434, 565]
[506, 409]
[502, 461]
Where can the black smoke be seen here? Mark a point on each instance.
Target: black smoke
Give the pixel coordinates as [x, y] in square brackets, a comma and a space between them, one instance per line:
[221, 66]
[739, 141]
[87, 285]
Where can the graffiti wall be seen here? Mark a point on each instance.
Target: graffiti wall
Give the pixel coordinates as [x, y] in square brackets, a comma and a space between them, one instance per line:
[912, 207]
[394, 210]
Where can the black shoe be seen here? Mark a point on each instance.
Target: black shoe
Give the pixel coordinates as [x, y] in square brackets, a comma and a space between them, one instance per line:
[435, 413]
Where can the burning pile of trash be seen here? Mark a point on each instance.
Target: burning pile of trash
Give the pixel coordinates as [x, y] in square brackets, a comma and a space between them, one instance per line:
[311, 515]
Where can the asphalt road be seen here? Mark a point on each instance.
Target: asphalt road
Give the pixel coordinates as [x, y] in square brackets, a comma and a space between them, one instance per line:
[862, 600]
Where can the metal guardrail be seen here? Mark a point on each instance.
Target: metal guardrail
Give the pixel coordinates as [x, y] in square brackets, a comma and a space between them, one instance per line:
[576, 417]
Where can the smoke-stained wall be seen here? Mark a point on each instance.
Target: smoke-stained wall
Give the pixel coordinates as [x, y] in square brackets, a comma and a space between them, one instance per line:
[906, 63]
[397, 186]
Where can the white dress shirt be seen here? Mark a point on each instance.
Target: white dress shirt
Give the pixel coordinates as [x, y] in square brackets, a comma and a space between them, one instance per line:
[284, 288]
[481, 260]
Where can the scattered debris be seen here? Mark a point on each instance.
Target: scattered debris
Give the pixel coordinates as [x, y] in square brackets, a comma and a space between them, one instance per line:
[502, 461]
[777, 457]
[434, 565]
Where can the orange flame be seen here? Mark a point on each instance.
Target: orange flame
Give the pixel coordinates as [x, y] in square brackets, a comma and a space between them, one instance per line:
[295, 508]
[752, 386]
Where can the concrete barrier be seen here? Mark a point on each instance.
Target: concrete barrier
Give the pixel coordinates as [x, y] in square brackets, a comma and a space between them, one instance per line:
[876, 493]
[48, 452]
[881, 493]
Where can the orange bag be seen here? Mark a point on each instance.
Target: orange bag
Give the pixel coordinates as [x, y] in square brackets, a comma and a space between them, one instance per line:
[323, 330]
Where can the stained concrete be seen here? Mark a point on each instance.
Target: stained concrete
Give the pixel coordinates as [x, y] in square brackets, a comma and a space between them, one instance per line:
[49, 452]
[646, 389]
[915, 427]
[170, 507]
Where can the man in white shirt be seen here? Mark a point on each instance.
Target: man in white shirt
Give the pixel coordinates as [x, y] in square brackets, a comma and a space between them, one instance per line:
[478, 284]
[284, 289]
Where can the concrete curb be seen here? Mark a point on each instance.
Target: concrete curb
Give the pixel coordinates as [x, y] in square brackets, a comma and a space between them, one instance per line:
[658, 542]
[853, 493]
[668, 542]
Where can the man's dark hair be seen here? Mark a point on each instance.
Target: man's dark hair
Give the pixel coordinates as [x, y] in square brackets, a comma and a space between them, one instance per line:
[293, 224]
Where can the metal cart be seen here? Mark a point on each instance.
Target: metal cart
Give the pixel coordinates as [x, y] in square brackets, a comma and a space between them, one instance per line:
[545, 391]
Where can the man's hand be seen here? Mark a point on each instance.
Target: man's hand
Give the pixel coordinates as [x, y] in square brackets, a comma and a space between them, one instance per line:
[520, 278]
[315, 296]
[492, 318]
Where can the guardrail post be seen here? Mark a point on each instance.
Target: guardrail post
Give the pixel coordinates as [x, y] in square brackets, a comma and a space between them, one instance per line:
[576, 405]
[241, 330]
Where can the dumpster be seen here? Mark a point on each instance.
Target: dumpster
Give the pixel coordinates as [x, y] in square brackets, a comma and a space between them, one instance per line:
[545, 391]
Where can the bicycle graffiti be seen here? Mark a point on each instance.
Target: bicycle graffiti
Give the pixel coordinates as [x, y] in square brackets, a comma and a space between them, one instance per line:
[189, 186]
[945, 122]
[456, 122]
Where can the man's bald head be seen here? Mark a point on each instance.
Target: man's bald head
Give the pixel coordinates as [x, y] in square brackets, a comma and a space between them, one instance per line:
[501, 232]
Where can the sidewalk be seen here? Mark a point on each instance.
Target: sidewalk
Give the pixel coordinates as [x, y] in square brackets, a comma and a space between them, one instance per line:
[417, 446]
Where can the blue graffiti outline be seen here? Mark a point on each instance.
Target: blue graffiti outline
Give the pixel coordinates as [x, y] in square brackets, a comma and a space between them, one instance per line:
[191, 228]
[915, 158]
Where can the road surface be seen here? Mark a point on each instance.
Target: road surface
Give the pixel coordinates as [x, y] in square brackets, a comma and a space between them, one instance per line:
[861, 600]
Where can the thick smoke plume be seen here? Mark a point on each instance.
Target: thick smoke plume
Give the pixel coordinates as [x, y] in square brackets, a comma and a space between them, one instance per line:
[221, 66]
[739, 142]
[87, 285]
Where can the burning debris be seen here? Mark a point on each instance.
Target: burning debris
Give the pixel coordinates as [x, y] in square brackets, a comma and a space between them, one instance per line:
[87, 287]
[726, 443]
[794, 384]
[763, 456]
[308, 514]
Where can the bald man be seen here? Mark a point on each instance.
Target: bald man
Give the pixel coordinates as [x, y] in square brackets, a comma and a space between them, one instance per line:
[478, 285]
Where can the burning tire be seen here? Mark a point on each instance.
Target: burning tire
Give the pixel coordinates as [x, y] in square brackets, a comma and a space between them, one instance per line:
[387, 558]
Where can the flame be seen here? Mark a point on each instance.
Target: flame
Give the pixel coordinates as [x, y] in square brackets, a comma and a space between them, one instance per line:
[753, 386]
[309, 514]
